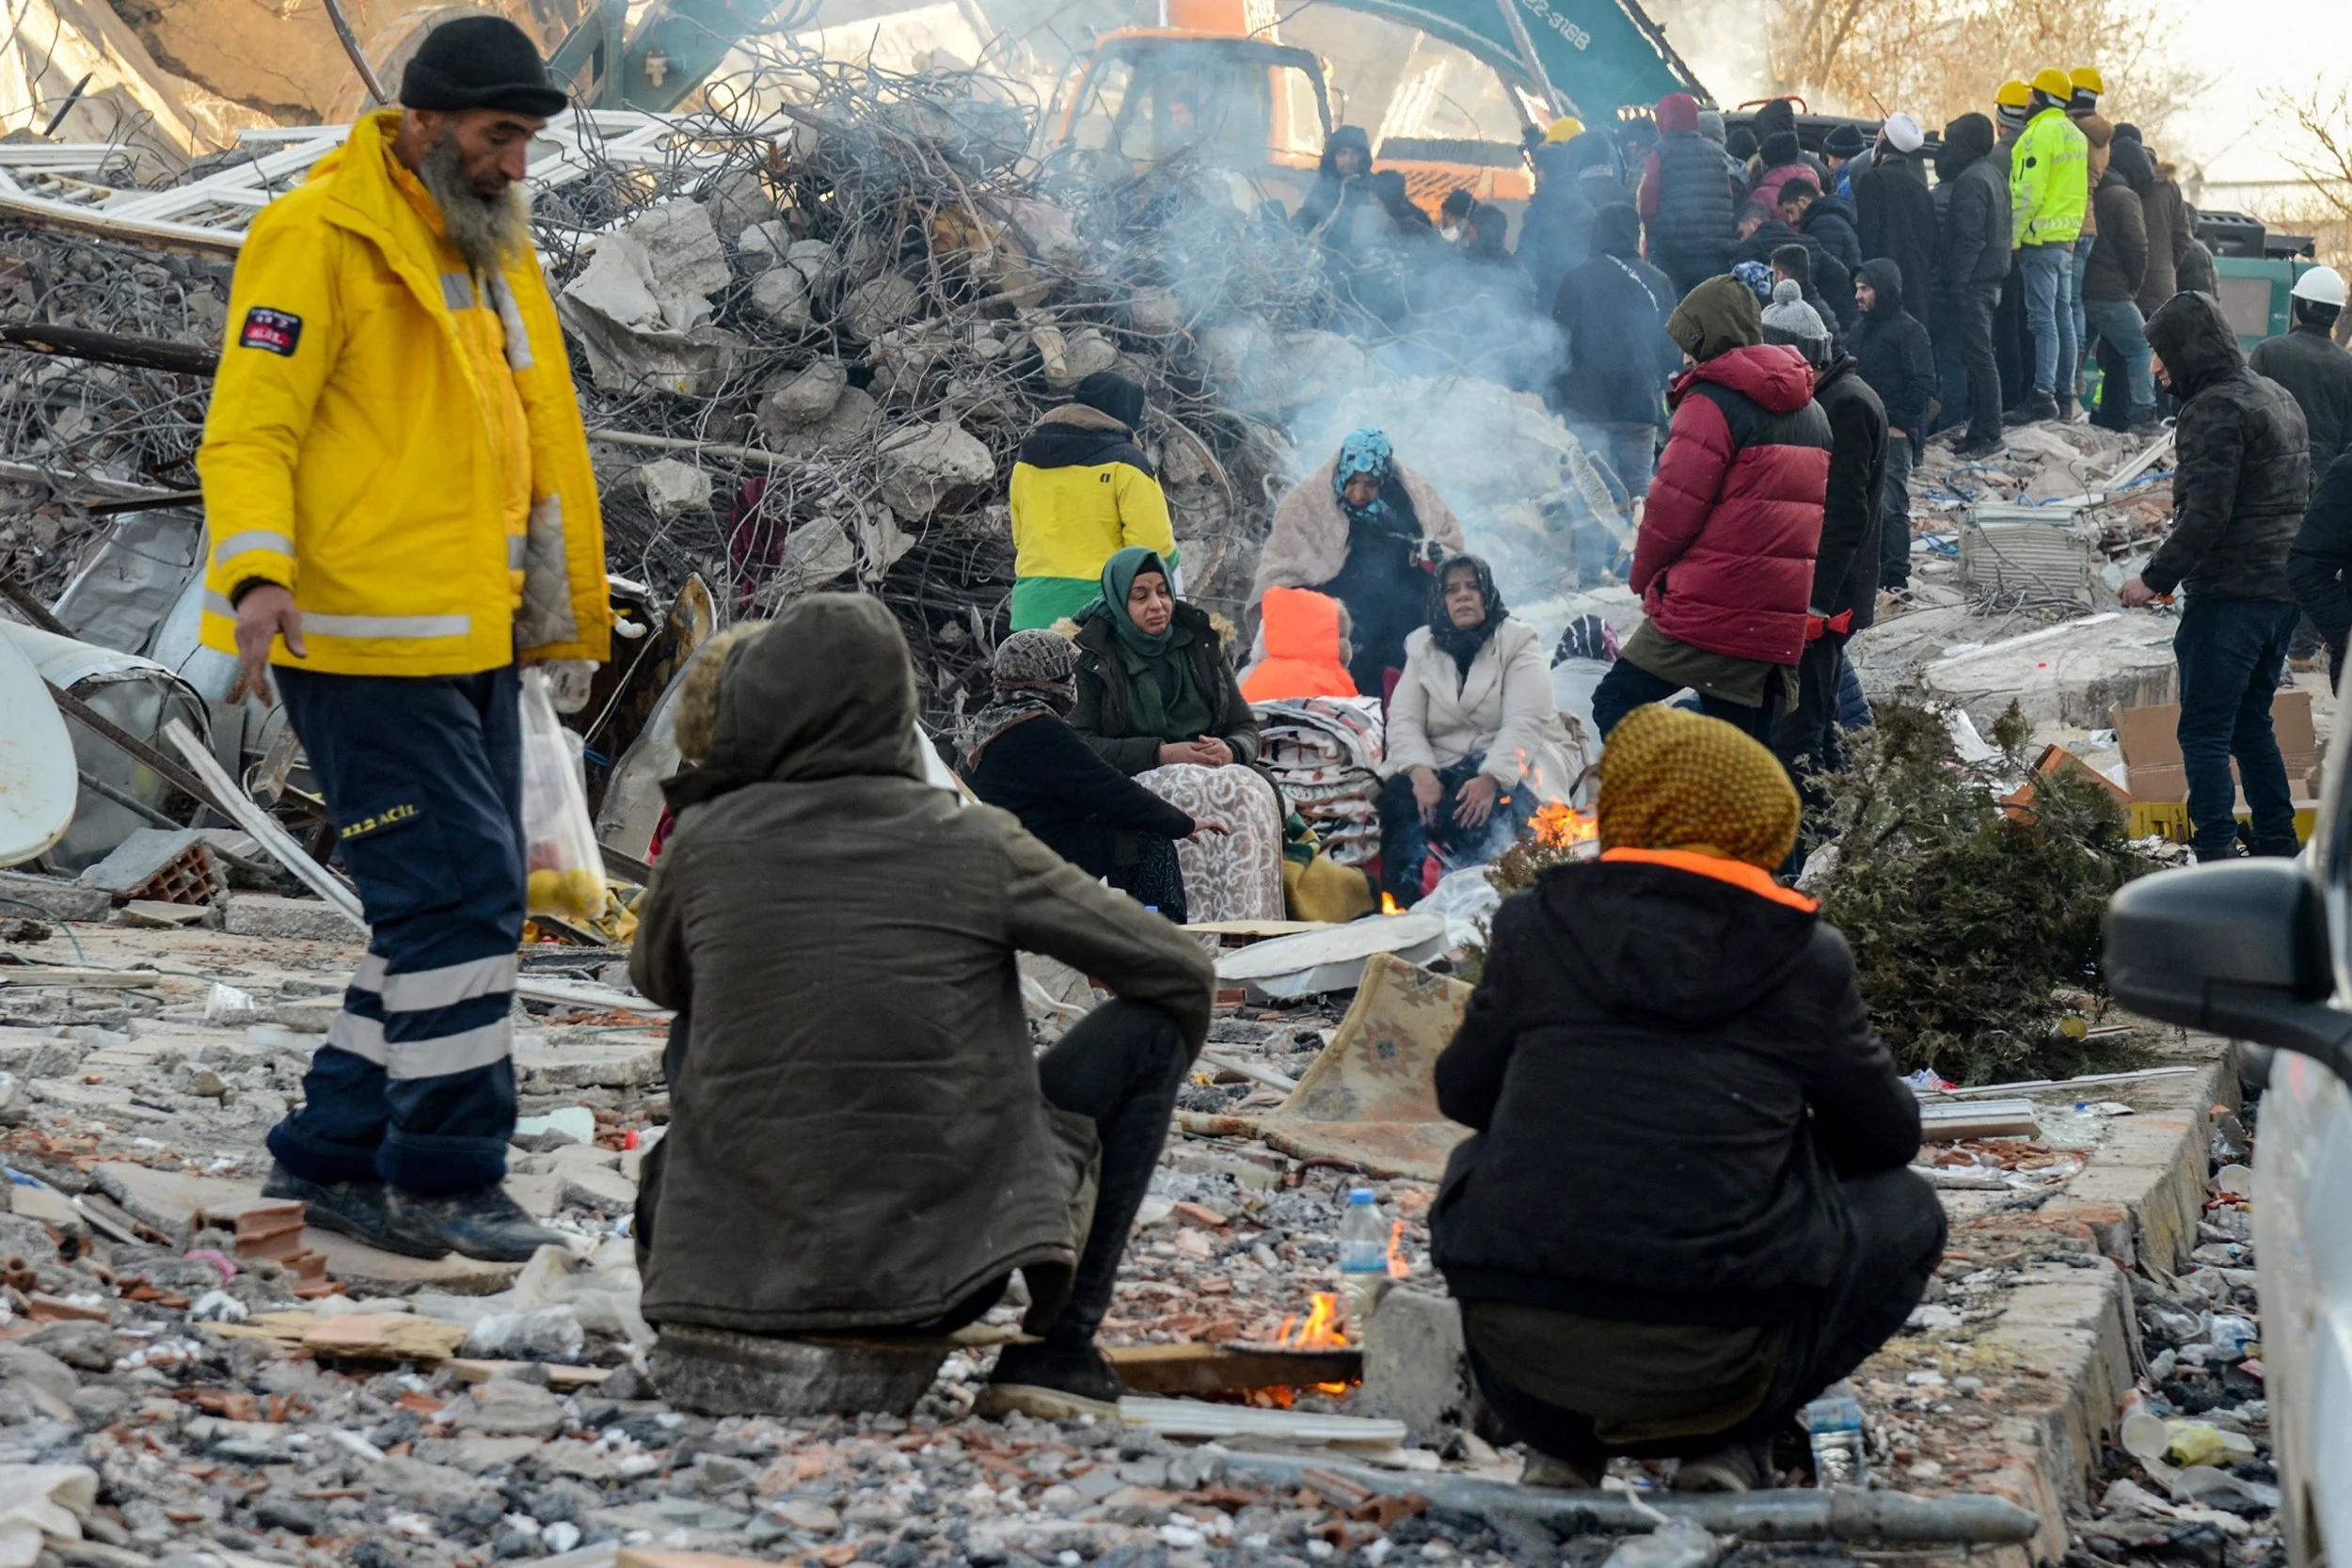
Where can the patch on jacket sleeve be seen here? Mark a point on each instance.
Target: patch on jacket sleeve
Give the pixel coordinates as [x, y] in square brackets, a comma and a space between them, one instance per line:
[279, 331]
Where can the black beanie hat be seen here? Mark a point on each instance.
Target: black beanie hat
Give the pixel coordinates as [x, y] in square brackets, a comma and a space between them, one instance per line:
[1108, 392]
[481, 62]
[1781, 149]
[1844, 141]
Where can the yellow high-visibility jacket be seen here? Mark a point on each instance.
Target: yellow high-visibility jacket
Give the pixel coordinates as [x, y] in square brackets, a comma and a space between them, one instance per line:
[396, 439]
[2048, 174]
[1082, 491]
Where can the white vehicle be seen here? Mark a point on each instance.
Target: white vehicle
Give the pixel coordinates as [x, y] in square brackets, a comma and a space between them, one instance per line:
[2261, 950]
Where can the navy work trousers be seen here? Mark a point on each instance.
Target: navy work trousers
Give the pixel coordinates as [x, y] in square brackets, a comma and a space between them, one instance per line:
[423, 777]
[2231, 653]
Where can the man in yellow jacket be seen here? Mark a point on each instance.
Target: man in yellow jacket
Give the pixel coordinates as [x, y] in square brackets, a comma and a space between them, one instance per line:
[401, 511]
[2047, 195]
[1082, 491]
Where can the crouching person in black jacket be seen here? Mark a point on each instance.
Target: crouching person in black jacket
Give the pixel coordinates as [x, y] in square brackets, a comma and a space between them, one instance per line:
[1687, 1207]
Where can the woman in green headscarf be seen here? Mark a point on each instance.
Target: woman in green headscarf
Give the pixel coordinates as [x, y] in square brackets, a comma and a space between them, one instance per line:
[1155, 687]
[1158, 700]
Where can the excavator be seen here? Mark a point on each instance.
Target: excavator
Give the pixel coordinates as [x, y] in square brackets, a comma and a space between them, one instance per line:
[1214, 75]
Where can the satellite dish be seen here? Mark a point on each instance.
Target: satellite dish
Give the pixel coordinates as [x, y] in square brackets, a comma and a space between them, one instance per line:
[39, 783]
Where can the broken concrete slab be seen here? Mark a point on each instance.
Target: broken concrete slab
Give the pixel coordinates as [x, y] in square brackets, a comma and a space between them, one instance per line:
[874, 308]
[670, 488]
[850, 423]
[780, 297]
[802, 398]
[715, 1372]
[574, 1059]
[922, 464]
[607, 1191]
[1416, 1367]
[280, 918]
[58, 900]
[503, 1407]
[2075, 673]
[146, 855]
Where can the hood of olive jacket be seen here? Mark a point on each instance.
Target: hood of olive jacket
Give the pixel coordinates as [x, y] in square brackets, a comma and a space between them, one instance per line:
[768, 721]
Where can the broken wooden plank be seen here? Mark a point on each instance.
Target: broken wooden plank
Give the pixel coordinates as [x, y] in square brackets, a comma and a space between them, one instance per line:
[1980, 1118]
[93, 979]
[1199, 1418]
[1201, 1367]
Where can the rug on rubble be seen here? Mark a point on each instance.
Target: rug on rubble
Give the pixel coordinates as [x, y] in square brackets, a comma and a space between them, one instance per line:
[1371, 1098]
[1235, 876]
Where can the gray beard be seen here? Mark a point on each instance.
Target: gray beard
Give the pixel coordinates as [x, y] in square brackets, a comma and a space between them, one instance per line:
[487, 232]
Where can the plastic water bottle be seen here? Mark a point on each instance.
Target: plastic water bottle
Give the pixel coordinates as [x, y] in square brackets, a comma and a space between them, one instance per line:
[1841, 1457]
[1364, 1256]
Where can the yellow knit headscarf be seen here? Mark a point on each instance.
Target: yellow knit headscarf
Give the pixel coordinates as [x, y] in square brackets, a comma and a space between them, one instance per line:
[1674, 780]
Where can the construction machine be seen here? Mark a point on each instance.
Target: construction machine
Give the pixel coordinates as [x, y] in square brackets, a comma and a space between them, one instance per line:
[1211, 75]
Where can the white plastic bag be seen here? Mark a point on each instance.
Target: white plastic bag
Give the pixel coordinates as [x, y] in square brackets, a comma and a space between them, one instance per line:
[566, 871]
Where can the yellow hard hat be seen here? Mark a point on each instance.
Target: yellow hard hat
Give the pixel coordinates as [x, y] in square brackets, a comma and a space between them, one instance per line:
[2085, 78]
[1567, 128]
[2016, 94]
[2053, 82]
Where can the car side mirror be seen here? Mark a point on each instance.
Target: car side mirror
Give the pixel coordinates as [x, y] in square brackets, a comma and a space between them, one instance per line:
[2238, 949]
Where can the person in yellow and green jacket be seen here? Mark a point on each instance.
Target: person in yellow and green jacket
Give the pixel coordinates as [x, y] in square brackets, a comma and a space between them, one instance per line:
[1082, 491]
[399, 511]
[2047, 194]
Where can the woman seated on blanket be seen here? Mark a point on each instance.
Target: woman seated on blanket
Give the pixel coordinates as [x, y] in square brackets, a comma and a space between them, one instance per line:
[1475, 743]
[1021, 755]
[1363, 530]
[1158, 701]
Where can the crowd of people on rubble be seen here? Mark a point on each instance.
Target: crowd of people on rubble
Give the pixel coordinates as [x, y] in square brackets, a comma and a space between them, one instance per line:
[863, 1139]
[2026, 246]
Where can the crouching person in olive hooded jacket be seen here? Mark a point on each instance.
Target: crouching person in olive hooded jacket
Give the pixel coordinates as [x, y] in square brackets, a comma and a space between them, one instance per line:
[860, 1136]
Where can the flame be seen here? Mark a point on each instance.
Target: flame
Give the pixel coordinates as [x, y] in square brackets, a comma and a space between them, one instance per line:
[1320, 1330]
[1557, 825]
[1388, 904]
[1398, 1268]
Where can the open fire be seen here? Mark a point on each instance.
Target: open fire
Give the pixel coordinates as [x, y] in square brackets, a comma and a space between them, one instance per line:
[1558, 825]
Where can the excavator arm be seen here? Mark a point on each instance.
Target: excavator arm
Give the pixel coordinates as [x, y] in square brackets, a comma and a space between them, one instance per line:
[1599, 56]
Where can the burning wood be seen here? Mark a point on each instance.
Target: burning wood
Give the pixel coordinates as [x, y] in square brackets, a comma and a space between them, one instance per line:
[1558, 825]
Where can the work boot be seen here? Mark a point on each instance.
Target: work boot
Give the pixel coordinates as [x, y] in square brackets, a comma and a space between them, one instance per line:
[1740, 1467]
[484, 1223]
[1558, 1475]
[2066, 410]
[356, 1209]
[1971, 451]
[2037, 407]
[1052, 1380]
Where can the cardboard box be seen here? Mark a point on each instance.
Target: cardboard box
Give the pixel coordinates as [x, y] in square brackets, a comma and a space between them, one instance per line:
[2151, 747]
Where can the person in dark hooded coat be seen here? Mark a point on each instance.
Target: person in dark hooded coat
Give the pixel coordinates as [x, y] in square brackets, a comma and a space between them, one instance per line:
[1971, 264]
[1686, 200]
[1827, 220]
[1898, 363]
[2239, 488]
[1763, 1231]
[1342, 183]
[1895, 216]
[1614, 309]
[1572, 178]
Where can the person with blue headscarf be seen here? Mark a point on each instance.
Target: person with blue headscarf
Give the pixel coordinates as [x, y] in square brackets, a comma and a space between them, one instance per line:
[1366, 531]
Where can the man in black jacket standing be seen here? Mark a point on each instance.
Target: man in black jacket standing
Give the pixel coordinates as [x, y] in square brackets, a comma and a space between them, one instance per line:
[1614, 309]
[1975, 260]
[2322, 555]
[2308, 362]
[2238, 495]
[1894, 214]
[1687, 198]
[2111, 279]
[1891, 348]
[1846, 568]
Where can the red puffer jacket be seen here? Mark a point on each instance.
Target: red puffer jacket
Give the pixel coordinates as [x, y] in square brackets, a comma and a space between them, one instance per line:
[1725, 561]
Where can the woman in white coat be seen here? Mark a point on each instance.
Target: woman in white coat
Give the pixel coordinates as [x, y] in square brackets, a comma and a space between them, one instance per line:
[1474, 743]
